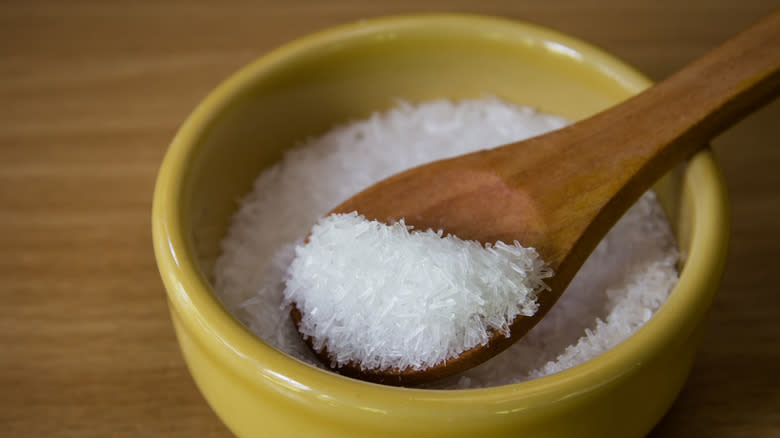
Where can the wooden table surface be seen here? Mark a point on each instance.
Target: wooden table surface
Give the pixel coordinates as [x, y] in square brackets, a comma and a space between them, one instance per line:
[91, 92]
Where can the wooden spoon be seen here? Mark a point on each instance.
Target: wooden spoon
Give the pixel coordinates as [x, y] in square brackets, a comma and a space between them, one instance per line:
[561, 192]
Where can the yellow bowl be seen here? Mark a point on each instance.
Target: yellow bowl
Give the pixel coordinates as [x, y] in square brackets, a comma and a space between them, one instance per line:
[304, 88]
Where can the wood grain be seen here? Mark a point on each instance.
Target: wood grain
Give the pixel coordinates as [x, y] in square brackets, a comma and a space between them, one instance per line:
[93, 91]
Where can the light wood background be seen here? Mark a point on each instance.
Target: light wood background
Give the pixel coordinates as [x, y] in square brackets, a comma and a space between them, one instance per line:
[92, 91]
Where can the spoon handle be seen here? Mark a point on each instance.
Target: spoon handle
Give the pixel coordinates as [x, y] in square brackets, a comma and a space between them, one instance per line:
[583, 177]
[697, 103]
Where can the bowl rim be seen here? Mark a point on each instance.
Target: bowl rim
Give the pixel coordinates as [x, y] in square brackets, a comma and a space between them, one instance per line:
[190, 296]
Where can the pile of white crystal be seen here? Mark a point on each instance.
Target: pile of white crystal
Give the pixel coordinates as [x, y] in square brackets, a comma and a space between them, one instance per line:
[622, 284]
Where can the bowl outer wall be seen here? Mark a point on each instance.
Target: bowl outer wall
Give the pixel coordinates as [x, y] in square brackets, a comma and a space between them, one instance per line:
[256, 390]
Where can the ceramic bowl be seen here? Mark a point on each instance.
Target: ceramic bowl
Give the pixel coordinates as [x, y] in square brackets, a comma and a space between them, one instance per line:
[348, 72]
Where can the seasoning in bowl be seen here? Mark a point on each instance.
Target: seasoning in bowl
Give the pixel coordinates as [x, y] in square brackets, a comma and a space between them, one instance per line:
[622, 284]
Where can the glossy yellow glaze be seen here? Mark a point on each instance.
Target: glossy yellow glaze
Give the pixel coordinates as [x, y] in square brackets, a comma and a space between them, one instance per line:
[304, 88]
